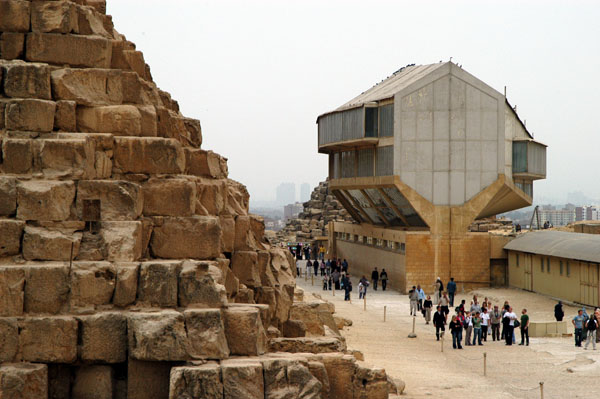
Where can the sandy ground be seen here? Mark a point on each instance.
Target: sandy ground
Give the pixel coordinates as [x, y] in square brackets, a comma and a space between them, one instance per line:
[512, 371]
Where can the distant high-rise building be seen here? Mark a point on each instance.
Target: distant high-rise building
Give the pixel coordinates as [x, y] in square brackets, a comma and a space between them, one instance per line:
[587, 213]
[304, 192]
[291, 211]
[286, 194]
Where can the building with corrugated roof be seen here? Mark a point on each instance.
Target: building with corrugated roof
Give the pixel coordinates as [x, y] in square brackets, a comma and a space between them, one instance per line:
[560, 264]
[415, 160]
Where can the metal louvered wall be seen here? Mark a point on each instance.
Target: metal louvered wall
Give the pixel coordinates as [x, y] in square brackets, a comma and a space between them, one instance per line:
[340, 126]
[386, 120]
[385, 161]
[348, 163]
[365, 162]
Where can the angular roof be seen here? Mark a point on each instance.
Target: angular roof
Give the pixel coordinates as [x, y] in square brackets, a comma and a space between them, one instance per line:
[580, 246]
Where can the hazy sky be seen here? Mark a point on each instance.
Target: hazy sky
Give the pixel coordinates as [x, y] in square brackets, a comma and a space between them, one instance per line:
[258, 73]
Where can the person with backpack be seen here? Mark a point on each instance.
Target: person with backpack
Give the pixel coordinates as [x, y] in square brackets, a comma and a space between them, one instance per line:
[439, 321]
[375, 278]
[365, 284]
[524, 328]
[384, 279]
[592, 327]
[456, 331]
[347, 288]
[361, 290]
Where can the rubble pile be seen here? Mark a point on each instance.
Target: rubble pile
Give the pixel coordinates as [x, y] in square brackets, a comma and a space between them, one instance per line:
[485, 225]
[321, 209]
[129, 264]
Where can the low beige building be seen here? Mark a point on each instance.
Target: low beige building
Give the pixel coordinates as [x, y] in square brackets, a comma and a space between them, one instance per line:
[560, 264]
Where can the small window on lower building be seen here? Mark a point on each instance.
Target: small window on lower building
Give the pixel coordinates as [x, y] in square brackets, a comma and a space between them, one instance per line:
[568, 269]
[402, 247]
[548, 264]
[561, 267]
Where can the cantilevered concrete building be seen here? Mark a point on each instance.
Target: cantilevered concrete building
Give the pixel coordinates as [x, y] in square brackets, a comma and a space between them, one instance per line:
[415, 160]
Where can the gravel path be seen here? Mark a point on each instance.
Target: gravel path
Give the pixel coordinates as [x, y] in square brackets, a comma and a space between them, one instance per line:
[512, 372]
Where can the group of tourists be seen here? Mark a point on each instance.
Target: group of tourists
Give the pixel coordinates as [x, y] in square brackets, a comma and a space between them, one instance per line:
[585, 326]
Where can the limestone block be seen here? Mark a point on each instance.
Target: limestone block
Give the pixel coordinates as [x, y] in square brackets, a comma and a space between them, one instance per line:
[121, 120]
[104, 337]
[315, 315]
[92, 284]
[119, 199]
[206, 335]
[89, 87]
[169, 124]
[169, 197]
[273, 332]
[12, 45]
[147, 380]
[370, 382]
[317, 369]
[12, 282]
[294, 329]
[26, 80]
[8, 196]
[45, 244]
[65, 118]
[98, 5]
[227, 233]
[300, 378]
[47, 288]
[196, 382]
[126, 285]
[10, 236]
[74, 50]
[15, 16]
[340, 370]
[30, 115]
[54, 17]
[244, 330]
[17, 156]
[205, 163]
[60, 158]
[148, 121]
[48, 339]
[197, 287]
[289, 378]
[158, 283]
[132, 94]
[91, 23]
[197, 237]
[238, 198]
[212, 196]
[244, 265]
[23, 380]
[9, 339]
[242, 379]
[123, 240]
[118, 60]
[307, 345]
[157, 336]
[152, 155]
[44, 200]
[194, 132]
[93, 382]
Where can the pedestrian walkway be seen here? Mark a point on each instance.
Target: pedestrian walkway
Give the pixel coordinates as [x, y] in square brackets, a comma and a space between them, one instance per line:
[512, 372]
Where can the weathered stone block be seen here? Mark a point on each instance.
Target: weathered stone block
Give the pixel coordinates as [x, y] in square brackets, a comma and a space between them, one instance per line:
[289, 378]
[65, 119]
[245, 240]
[9, 339]
[206, 335]
[205, 163]
[227, 233]
[169, 197]
[340, 370]
[15, 15]
[121, 120]
[212, 196]
[93, 382]
[26, 80]
[54, 17]
[92, 284]
[91, 23]
[119, 200]
[157, 336]
[307, 345]
[244, 265]
[318, 370]
[12, 282]
[127, 282]
[370, 383]
[30, 115]
[149, 120]
[151, 155]
[44, 200]
[10, 236]
[196, 382]
[244, 330]
[23, 380]
[89, 87]
[48, 339]
[17, 156]
[12, 45]
[242, 379]
[158, 283]
[123, 240]
[294, 329]
[196, 237]
[47, 288]
[104, 338]
[147, 380]
[45, 244]
[194, 132]
[60, 158]
[197, 287]
[74, 50]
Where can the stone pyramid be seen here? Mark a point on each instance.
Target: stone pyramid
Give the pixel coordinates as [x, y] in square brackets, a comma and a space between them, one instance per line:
[129, 264]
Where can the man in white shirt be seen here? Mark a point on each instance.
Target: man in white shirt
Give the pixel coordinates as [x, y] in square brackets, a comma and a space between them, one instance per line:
[485, 322]
[509, 325]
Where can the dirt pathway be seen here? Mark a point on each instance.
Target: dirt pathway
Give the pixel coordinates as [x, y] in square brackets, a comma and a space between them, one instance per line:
[512, 372]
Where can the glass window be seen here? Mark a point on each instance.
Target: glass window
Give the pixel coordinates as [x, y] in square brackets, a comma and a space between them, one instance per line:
[542, 264]
[561, 267]
[548, 264]
[386, 120]
[371, 122]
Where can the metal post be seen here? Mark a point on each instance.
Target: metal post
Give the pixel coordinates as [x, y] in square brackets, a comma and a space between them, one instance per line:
[412, 334]
[484, 364]
[312, 279]
[384, 311]
[542, 390]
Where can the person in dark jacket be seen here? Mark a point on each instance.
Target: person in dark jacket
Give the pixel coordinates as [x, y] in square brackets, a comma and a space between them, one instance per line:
[451, 289]
[558, 311]
[439, 321]
[456, 330]
[375, 278]
[347, 287]
[384, 279]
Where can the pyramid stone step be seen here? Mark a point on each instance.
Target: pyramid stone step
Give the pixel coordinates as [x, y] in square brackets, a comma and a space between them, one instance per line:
[24, 380]
[15, 15]
[74, 50]
[152, 155]
[29, 115]
[44, 199]
[26, 80]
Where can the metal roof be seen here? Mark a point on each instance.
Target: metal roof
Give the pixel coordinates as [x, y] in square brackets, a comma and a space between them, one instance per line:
[580, 246]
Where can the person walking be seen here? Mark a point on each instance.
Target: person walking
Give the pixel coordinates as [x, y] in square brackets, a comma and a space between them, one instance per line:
[485, 323]
[421, 297]
[361, 290]
[495, 320]
[456, 331]
[384, 279]
[322, 266]
[375, 278]
[578, 324]
[427, 306]
[336, 279]
[414, 298]
[316, 267]
[509, 325]
[592, 327]
[347, 288]
[439, 287]
[308, 267]
[444, 302]
[558, 311]
[365, 284]
[451, 288]
[439, 321]
[476, 328]
[524, 328]
[468, 328]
